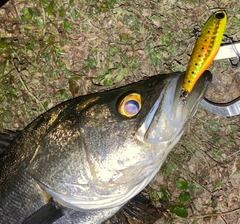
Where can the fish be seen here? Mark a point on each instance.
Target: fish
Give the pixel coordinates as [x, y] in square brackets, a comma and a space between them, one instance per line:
[84, 159]
[205, 50]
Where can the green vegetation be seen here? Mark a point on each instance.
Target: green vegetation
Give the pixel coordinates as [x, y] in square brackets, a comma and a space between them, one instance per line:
[51, 51]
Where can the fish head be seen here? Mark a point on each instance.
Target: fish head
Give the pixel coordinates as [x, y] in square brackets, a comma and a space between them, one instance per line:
[101, 150]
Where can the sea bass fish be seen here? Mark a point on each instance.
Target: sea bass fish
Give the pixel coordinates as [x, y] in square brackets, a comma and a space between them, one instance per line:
[88, 156]
[205, 49]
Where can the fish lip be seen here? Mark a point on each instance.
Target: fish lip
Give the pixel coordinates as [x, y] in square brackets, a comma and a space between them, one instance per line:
[173, 112]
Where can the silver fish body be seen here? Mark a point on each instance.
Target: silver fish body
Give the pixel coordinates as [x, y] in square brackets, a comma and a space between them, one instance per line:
[90, 158]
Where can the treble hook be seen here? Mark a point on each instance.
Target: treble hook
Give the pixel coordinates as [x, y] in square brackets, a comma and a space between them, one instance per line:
[234, 65]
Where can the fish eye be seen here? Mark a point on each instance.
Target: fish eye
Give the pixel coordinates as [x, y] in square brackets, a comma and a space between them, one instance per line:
[130, 105]
[219, 15]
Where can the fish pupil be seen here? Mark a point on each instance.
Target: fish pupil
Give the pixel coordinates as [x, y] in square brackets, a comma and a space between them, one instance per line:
[132, 107]
[219, 15]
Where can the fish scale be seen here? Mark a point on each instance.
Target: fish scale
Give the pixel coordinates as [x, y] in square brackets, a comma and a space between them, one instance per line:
[205, 49]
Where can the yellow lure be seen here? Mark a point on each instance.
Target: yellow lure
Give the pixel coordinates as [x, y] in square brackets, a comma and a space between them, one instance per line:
[205, 49]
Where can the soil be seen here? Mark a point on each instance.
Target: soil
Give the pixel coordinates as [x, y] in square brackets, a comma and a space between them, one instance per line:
[106, 46]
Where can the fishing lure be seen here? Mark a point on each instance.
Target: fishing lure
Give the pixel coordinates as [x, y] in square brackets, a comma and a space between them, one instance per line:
[205, 50]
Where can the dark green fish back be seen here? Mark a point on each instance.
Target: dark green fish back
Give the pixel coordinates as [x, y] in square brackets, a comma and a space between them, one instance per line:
[6, 139]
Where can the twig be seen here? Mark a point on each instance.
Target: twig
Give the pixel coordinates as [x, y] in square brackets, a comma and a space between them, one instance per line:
[216, 214]
[15, 9]
[29, 92]
[189, 174]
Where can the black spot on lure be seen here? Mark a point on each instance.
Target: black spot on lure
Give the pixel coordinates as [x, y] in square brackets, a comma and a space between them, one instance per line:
[205, 49]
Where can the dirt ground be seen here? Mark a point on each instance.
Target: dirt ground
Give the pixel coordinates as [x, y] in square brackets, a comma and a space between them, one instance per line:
[51, 51]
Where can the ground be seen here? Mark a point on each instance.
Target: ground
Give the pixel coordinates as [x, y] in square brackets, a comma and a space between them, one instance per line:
[51, 51]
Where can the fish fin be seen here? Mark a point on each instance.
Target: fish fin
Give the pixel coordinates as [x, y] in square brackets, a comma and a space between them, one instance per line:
[47, 214]
[3, 3]
[138, 210]
[7, 138]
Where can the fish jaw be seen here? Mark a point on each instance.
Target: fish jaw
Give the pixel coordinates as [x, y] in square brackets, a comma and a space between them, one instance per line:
[168, 118]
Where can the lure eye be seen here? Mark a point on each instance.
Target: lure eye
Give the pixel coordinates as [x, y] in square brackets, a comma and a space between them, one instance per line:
[219, 15]
[130, 105]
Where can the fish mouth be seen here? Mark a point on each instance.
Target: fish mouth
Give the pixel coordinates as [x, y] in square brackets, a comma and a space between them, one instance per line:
[168, 118]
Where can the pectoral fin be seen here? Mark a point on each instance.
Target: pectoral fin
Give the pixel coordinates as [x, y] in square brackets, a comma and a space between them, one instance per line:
[45, 215]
